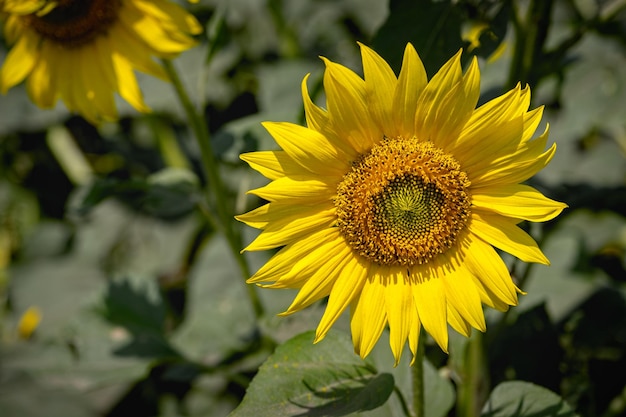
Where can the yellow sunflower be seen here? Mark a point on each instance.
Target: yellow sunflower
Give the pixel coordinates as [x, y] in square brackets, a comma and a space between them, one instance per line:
[393, 198]
[85, 51]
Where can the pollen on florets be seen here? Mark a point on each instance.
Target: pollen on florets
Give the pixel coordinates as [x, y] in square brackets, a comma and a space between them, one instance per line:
[403, 203]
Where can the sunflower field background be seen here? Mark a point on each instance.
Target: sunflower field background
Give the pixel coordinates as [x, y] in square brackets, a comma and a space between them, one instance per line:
[120, 297]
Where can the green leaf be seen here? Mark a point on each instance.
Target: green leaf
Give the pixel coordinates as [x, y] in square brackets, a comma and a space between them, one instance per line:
[131, 308]
[523, 399]
[325, 379]
[168, 194]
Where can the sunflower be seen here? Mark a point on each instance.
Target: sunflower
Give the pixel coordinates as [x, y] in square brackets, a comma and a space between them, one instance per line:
[85, 51]
[392, 199]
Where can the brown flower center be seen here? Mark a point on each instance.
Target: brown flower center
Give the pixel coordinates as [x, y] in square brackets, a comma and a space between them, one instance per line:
[403, 203]
[73, 23]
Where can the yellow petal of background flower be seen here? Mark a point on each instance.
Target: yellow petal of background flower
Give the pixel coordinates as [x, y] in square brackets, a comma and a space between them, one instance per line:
[130, 45]
[19, 61]
[152, 32]
[505, 235]
[172, 16]
[96, 87]
[126, 81]
[42, 81]
[518, 201]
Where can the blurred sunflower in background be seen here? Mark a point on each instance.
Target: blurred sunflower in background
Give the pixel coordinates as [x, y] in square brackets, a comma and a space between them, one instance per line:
[393, 198]
[83, 52]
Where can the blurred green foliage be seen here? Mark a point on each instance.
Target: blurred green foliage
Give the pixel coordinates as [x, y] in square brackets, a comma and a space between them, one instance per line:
[141, 312]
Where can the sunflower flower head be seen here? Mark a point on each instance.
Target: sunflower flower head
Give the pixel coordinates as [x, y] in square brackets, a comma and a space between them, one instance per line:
[83, 52]
[391, 201]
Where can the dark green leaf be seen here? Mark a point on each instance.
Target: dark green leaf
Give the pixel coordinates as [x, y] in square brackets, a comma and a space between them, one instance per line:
[167, 194]
[523, 399]
[132, 308]
[325, 379]
[434, 29]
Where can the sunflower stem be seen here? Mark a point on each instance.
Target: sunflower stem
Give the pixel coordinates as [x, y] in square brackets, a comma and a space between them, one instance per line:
[471, 392]
[417, 377]
[214, 183]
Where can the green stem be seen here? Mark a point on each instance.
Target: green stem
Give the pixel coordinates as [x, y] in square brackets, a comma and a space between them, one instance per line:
[531, 32]
[218, 197]
[471, 391]
[417, 376]
[403, 404]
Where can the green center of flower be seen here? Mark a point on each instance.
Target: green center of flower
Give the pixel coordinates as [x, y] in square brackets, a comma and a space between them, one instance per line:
[73, 23]
[403, 203]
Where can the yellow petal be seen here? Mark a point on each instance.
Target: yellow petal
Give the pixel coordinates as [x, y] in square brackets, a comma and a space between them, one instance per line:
[280, 233]
[20, 61]
[42, 82]
[130, 45]
[302, 189]
[488, 267]
[292, 264]
[494, 130]
[369, 316]
[309, 149]
[505, 235]
[321, 282]
[411, 83]
[65, 62]
[347, 286]
[434, 94]
[398, 294]
[462, 294]
[282, 213]
[430, 300]
[515, 167]
[272, 164]
[152, 32]
[316, 117]
[97, 88]
[125, 77]
[380, 84]
[457, 322]
[348, 107]
[456, 108]
[170, 15]
[414, 335]
[518, 201]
